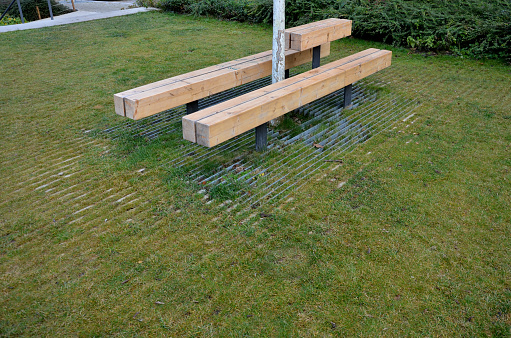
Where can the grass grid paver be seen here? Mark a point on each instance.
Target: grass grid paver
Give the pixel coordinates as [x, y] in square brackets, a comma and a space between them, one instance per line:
[405, 232]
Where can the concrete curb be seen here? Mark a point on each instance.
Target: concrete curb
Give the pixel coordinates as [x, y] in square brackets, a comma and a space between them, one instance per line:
[78, 16]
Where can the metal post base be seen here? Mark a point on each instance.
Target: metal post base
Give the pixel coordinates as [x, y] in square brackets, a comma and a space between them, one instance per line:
[192, 107]
[316, 57]
[261, 135]
[348, 90]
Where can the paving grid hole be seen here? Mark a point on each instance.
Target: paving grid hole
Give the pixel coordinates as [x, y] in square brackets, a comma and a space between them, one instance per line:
[321, 133]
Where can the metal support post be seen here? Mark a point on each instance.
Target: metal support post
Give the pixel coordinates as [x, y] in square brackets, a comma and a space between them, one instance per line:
[7, 9]
[51, 11]
[347, 96]
[261, 135]
[286, 74]
[316, 57]
[21, 12]
[192, 107]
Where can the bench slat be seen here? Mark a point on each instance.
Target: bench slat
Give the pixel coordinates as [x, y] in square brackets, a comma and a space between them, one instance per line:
[219, 123]
[317, 33]
[153, 98]
[251, 98]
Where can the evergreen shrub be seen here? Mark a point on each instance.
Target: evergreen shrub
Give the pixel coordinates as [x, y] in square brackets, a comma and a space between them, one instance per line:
[29, 9]
[475, 28]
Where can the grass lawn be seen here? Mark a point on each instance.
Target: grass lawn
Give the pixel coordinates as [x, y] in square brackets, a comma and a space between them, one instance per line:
[408, 236]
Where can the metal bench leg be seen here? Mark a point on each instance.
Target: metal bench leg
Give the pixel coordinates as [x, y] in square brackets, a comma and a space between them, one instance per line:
[286, 74]
[316, 57]
[261, 134]
[347, 95]
[192, 107]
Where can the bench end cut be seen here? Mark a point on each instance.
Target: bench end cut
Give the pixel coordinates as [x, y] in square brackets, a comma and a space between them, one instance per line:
[317, 33]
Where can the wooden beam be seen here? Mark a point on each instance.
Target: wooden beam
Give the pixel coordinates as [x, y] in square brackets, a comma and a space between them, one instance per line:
[153, 98]
[317, 33]
[216, 124]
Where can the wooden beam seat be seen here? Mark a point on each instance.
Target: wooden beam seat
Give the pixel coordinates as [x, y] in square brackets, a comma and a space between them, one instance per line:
[156, 97]
[317, 33]
[219, 123]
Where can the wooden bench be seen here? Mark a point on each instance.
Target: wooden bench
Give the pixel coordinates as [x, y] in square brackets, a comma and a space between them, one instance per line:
[306, 43]
[317, 33]
[216, 124]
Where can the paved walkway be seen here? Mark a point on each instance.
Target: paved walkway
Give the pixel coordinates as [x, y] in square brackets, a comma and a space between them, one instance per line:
[86, 11]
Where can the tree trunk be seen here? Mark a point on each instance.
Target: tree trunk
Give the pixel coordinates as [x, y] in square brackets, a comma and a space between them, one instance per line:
[278, 50]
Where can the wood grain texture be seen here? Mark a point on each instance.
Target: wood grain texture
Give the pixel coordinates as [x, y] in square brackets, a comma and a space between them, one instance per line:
[317, 33]
[228, 119]
[153, 98]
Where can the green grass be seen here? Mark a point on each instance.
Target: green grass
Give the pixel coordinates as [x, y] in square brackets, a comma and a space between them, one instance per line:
[414, 243]
[474, 28]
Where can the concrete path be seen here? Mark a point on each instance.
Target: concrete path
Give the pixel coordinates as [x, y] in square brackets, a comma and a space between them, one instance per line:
[86, 11]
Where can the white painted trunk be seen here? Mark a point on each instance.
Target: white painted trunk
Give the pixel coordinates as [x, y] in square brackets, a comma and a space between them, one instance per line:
[278, 50]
